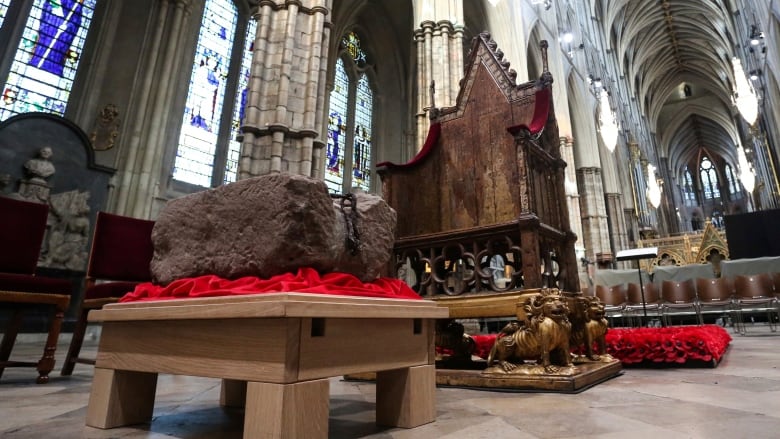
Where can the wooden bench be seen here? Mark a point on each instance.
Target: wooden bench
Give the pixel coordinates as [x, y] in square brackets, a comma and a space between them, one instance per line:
[274, 352]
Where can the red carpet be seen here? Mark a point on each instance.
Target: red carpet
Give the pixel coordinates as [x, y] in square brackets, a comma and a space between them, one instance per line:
[674, 345]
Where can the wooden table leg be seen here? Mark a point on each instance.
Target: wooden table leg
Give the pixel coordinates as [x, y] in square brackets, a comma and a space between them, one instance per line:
[287, 411]
[232, 393]
[406, 397]
[121, 397]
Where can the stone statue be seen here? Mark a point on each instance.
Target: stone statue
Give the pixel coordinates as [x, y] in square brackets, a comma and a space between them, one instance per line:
[40, 167]
[37, 171]
[68, 232]
[544, 337]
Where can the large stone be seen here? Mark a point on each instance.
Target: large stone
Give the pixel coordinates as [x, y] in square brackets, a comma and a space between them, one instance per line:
[266, 226]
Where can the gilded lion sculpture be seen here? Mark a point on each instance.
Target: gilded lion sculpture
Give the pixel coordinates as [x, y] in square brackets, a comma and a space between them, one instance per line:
[589, 327]
[544, 337]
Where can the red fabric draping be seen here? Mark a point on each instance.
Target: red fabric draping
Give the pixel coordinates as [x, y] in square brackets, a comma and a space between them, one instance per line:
[430, 142]
[541, 112]
[306, 280]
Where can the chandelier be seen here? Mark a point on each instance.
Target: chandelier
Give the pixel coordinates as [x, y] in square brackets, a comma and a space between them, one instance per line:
[746, 175]
[607, 125]
[744, 98]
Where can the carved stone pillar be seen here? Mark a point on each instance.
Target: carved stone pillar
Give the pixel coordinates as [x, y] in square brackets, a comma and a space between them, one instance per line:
[284, 126]
[595, 229]
[572, 193]
[439, 59]
[140, 181]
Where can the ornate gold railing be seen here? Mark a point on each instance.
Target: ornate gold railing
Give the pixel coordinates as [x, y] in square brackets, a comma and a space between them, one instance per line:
[709, 246]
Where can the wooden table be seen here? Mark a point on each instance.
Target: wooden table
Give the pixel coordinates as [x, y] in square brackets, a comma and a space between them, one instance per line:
[274, 352]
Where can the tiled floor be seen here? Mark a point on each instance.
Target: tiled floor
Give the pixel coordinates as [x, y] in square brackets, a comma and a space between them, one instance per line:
[738, 399]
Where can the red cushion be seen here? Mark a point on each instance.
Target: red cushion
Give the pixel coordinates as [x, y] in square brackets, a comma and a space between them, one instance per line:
[34, 284]
[22, 226]
[121, 248]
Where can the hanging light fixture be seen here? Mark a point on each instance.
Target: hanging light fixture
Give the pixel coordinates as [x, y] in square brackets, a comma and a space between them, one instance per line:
[607, 125]
[744, 98]
[653, 188]
[746, 175]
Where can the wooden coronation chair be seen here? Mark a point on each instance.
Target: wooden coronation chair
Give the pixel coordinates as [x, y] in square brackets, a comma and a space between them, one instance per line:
[118, 261]
[22, 229]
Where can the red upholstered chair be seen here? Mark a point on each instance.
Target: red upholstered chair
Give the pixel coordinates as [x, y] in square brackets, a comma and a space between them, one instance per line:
[22, 228]
[118, 260]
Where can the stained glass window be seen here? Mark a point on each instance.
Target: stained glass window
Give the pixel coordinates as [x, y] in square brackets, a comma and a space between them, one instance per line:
[3, 10]
[709, 179]
[690, 192]
[239, 111]
[47, 58]
[348, 155]
[337, 130]
[361, 153]
[203, 109]
[732, 180]
[351, 43]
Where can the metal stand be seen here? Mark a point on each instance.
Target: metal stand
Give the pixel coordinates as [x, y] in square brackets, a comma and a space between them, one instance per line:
[638, 254]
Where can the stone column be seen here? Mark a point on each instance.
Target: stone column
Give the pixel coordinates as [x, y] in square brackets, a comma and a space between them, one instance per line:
[283, 130]
[594, 216]
[440, 59]
[572, 194]
[140, 176]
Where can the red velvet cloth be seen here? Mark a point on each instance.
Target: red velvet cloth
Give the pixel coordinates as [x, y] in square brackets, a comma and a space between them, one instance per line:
[307, 280]
[541, 113]
[430, 142]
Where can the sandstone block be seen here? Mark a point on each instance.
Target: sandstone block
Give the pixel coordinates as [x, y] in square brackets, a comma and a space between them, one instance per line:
[266, 226]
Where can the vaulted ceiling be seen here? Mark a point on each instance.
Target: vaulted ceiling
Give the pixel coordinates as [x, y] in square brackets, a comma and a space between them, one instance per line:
[676, 56]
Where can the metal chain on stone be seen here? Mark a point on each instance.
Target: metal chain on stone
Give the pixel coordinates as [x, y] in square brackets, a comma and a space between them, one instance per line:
[348, 206]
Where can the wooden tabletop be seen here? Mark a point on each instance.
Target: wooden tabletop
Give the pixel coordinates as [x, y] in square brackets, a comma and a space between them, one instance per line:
[270, 305]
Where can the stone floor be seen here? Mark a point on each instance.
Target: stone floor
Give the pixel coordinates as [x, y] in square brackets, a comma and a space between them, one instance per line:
[738, 399]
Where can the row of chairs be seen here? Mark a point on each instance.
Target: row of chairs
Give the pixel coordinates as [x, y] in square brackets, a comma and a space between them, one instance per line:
[119, 258]
[733, 297]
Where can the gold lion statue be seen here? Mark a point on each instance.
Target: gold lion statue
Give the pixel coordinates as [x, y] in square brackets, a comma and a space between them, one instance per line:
[589, 326]
[544, 338]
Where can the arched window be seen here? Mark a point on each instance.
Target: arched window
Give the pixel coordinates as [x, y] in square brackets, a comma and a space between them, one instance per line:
[3, 10]
[709, 179]
[690, 190]
[47, 56]
[348, 159]
[732, 181]
[207, 154]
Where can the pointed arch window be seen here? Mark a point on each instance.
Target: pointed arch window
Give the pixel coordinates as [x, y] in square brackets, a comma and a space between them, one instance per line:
[208, 149]
[689, 189]
[3, 10]
[348, 158]
[709, 179]
[47, 57]
[731, 179]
